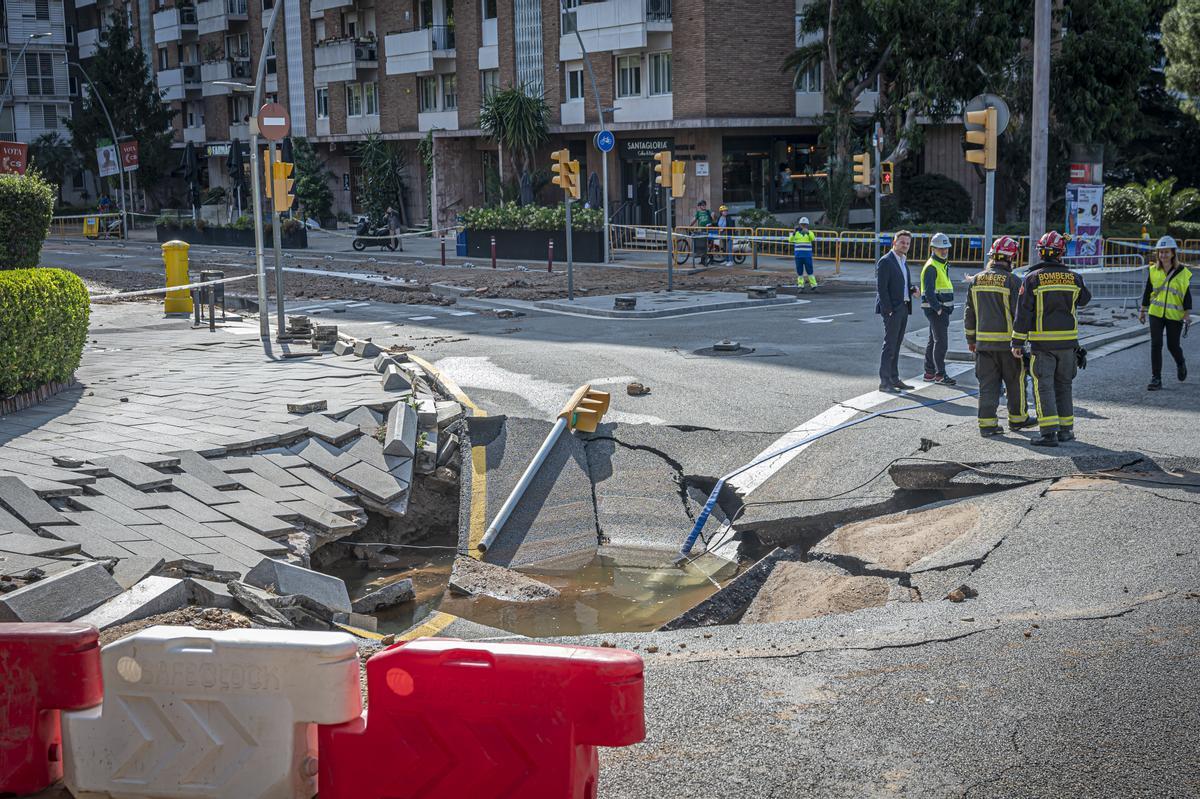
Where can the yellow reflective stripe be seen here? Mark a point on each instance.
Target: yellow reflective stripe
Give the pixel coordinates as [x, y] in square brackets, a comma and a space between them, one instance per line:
[998, 336]
[970, 331]
[1022, 403]
[1020, 336]
[989, 422]
[1066, 420]
[1047, 421]
[1054, 335]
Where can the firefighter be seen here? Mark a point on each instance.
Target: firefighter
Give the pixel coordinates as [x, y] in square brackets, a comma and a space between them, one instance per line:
[1167, 300]
[802, 248]
[991, 305]
[937, 301]
[1046, 318]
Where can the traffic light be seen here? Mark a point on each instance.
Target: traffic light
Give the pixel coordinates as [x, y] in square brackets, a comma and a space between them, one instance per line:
[566, 172]
[886, 185]
[862, 169]
[584, 409]
[663, 174]
[678, 176]
[281, 192]
[985, 156]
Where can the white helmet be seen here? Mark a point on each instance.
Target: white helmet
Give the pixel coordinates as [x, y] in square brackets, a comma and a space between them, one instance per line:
[1166, 243]
[940, 240]
[802, 221]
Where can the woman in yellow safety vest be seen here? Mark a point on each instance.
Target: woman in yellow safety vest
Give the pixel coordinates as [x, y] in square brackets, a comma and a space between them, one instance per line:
[1167, 299]
[937, 300]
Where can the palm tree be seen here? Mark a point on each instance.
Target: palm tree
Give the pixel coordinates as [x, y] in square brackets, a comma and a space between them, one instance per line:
[54, 158]
[1161, 204]
[517, 122]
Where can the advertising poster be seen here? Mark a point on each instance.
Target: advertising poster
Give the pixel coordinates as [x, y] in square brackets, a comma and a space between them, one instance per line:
[14, 156]
[106, 159]
[129, 156]
[1085, 210]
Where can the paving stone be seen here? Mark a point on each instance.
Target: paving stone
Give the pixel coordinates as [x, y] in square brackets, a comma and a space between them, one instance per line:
[389, 596]
[11, 524]
[404, 472]
[318, 516]
[284, 458]
[62, 597]
[24, 502]
[214, 594]
[226, 547]
[248, 538]
[151, 549]
[193, 508]
[91, 543]
[427, 415]
[367, 420]
[395, 379]
[375, 483]
[263, 487]
[127, 496]
[366, 349]
[185, 526]
[284, 578]
[42, 487]
[128, 572]
[150, 597]
[307, 407]
[382, 361]
[13, 565]
[368, 450]
[101, 524]
[324, 501]
[121, 514]
[136, 474]
[448, 412]
[323, 484]
[23, 544]
[199, 490]
[325, 457]
[331, 430]
[202, 469]
[257, 520]
[275, 473]
[343, 348]
[401, 435]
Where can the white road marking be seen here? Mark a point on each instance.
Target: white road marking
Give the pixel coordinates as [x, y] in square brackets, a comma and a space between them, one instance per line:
[421, 318]
[823, 320]
[357, 304]
[462, 313]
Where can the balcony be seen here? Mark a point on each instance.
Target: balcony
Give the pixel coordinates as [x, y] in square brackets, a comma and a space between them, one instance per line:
[195, 134]
[175, 83]
[88, 41]
[174, 24]
[215, 16]
[84, 3]
[239, 131]
[237, 69]
[612, 25]
[437, 120]
[414, 51]
[341, 59]
[319, 7]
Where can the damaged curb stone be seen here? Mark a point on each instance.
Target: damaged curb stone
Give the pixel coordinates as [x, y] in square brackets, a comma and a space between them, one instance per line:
[389, 596]
[62, 597]
[400, 437]
[150, 597]
[394, 379]
[284, 578]
[470, 577]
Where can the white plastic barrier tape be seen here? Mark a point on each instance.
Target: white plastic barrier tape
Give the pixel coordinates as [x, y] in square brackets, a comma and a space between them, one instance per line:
[164, 290]
[211, 715]
[410, 235]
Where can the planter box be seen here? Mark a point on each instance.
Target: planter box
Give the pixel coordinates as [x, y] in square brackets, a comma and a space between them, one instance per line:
[531, 245]
[230, 237]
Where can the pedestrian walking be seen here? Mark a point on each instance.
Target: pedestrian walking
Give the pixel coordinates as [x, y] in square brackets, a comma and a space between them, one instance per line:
[894, 291]
[1167, 300]
[937, 301]
[991, 306]
[802, 240]
[393, 223]
[1047, 319]
[702, 220]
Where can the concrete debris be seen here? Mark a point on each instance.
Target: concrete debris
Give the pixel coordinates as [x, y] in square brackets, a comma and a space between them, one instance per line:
[448, 412]
[470, 577]
[128, 572]
[728, 604]
[216, 594]
[257, 607]
[150, 597]
[285, 578]
[637, 390]
[962, 593]
[307, 407]
[427, 452]
[358, 621]
[400, 437]
[62, 597]
[366, 349]
[395, 379]
[343, 348]
[386, 597]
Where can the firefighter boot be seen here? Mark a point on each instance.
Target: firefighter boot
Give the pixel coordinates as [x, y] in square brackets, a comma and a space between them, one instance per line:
[1048, 439]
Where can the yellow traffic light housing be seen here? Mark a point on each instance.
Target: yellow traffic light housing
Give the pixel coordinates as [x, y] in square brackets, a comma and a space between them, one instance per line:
[585, 408]
[575, 188]
[281, 194]
[678, 178]
[662, 169]
[862, 169]
[565, 177]
[268, 178]
[886, 177]
[985, 156]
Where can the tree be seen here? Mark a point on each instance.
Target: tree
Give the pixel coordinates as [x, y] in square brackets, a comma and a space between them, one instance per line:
[54, 159]
[1181, 43]
[312, 181]
[517, 123]
[383, 167]
[122, 78]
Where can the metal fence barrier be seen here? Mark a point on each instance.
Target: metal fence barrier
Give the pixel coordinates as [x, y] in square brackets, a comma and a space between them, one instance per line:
[66, 227]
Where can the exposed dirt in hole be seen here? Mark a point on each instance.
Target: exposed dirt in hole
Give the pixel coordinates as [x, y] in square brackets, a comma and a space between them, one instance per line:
[807, 590]
[200, 618]
[896, 541]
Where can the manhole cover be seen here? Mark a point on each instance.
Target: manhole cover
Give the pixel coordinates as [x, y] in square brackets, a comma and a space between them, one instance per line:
[725, 348]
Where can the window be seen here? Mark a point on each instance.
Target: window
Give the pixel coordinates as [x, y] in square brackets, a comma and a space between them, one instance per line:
[489, 82]
[73, 85]
[574, 84]
[194, 115]
[568, 16]
[163, 59]
[489, 9]
[350, 24]
[271, 62]
[237, 46]
[629, 76]
[449, 92]
[49, 116]
[322, 102]
[39, 71]
[371, 99]
[427, 93]
[319, 31]
[77, 180]
[660, 73]
[354, 100]
[70, 34]
[41, 9]
[810, 79]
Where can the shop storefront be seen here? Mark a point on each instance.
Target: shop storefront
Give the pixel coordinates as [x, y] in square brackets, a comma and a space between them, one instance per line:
[640, 203]
[779, 173]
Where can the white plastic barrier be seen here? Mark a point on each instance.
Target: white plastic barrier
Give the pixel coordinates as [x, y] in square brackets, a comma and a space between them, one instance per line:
[217, 715]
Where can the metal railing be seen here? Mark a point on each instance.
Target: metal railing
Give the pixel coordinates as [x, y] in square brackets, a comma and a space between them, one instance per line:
[73, 226]
[443, 37]
[658, 10]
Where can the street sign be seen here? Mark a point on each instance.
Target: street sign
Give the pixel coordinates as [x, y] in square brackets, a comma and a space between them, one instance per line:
[14, 157]
[273, 122]
[605, 141]
[980, 102]
[975, 243]
[129, 156]
[106, 159]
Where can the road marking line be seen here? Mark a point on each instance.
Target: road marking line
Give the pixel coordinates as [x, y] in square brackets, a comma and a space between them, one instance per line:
[823, 320]
[436, 623]
[462, 313]
[357, 304]
[421, 318]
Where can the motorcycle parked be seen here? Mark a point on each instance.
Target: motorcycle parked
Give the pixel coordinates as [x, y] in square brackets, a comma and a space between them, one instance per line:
[368, 236]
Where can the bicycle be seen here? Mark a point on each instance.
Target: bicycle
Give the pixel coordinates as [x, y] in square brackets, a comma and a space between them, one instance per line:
[716, 250]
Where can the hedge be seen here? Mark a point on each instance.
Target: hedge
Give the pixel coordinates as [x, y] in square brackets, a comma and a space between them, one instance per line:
[43, 326]
[26, 206]
[934, 198]
[510, 216]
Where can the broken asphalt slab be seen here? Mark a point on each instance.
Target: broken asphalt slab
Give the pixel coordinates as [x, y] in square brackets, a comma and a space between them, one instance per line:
[470, 577]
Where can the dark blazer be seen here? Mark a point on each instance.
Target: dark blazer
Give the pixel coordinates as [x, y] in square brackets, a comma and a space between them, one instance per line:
[891, 291]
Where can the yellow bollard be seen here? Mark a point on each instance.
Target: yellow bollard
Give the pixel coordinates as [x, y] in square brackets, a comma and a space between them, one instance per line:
[175, 257]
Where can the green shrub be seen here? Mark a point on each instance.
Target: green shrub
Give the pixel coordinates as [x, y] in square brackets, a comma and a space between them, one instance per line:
[757, 217]
[43, 326]
[243, 222]
[511, 216]
[26, 205]
[932, 198]
[214, 196]
[1184, 230]
[1122, 205]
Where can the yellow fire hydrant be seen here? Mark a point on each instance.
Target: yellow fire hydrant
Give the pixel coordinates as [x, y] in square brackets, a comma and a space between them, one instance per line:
[175, 257]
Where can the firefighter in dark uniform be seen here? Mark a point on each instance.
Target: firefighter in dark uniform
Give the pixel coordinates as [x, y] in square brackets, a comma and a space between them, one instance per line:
[1046, 318]
[991, 306]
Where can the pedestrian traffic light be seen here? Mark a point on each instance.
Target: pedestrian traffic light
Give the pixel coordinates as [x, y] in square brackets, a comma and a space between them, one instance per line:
[565, 177]
[985, 156]
[862, 169]
[281, 193]
[663, 174]
[678, 179]
[885, 177]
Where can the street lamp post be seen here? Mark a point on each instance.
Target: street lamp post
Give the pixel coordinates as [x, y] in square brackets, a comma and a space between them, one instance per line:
[113, 131]
[587, 62]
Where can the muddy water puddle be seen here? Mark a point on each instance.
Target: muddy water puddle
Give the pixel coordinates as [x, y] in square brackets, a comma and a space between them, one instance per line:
[618, 590]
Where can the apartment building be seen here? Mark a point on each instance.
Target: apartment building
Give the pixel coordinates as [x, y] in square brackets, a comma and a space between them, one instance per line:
[39, 88]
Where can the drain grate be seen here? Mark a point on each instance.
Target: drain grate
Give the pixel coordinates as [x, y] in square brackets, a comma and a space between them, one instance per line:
[724, 348]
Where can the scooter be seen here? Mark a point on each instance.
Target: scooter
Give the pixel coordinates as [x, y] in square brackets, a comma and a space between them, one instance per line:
[366, 236]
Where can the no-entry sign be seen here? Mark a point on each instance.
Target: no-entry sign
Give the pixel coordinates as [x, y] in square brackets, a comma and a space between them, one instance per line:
[273, 122]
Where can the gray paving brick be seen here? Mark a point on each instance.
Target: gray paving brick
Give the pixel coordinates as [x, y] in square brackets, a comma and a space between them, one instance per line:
[325, 457]
[62, 597]
[236, 551]
[269, 470]
[127, 495]
[130, 571]
[365, 419]
[172, 539]
[248, 538]
[323, 484]
[150, 597]
[43, 487]
[180, 523]
[11, 524]
[395, 379]
[193, 508]
[223, 563]
[331, 430]
[22, 544]
[24, 502]
[121, 514]
[368, 450]
[284, 459]
[101, 525]
[316, 516]
[12, 565]
[401, 435]
[136, 474]
[258, 521]
[263, 487]
[325, 501]
[284, 578]
[200, 468]
[375, 483]
[152, 549]
[199, 490]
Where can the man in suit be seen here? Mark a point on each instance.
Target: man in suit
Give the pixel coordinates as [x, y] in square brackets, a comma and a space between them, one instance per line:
[893, 301]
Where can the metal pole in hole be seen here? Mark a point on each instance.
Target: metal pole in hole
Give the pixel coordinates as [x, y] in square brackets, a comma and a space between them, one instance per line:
[493, 252]
[519, 491]
[570, 254]
[196, 305]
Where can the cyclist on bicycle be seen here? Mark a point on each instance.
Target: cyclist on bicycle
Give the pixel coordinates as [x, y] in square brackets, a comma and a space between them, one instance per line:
[702, 219]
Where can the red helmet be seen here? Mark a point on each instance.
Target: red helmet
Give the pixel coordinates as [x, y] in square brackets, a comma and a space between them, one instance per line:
[1052, 244]
[1005, 248]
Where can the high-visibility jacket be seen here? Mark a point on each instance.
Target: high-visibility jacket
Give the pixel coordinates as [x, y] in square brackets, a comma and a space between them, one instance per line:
[802, 242]
[937, 290]
[1046, 312]
[1169, 293]
[991, 307]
